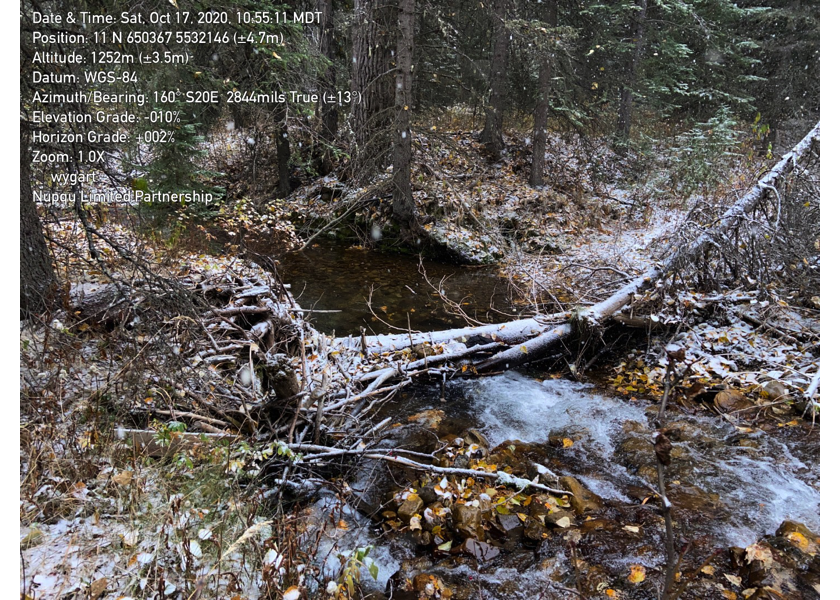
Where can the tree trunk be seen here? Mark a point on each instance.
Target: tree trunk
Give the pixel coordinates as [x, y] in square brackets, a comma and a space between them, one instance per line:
[541, 110]
[284, 153]
[373, 44]
[491, 136]
[625, 103]
[329, 112]
[403, 199]
[38, 284]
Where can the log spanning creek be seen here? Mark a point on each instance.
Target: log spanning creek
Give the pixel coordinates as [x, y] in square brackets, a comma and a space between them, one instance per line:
[731, 486]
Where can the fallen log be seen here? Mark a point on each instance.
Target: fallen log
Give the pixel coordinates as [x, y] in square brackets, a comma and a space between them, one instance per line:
[531, 339]
[511, 332]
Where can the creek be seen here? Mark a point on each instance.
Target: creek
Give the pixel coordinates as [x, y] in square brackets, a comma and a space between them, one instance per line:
[332, 276]
[731, 484]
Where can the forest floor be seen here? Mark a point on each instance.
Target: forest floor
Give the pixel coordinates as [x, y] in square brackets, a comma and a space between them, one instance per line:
[102, 517]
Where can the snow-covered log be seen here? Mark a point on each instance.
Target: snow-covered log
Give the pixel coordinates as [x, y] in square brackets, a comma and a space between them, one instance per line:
[530, 339]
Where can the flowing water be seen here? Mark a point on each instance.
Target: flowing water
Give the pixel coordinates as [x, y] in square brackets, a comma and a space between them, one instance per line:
[730, 485]
[760, 484]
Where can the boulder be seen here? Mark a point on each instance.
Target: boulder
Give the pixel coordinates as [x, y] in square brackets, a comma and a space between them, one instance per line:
[582, 500]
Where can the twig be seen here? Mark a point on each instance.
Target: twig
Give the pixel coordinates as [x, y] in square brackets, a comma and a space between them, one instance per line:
[454, 306]
[503, 478]
[358, 397]
[190, 415]
[355, 206]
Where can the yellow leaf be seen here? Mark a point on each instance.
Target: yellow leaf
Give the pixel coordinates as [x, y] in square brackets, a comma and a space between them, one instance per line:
[798, 540]
[730, 595]
[637, 574]
[708, 570]
[524, 348]
[568, 443]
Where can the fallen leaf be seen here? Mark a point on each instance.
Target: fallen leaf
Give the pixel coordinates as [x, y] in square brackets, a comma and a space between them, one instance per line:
[292, 593]
[98, 587]
[129, 538]
[32, 538]
[195, 549]
[564, 522]
[123, 478]
[733, 579]
[637, 574]
[758, 552]
[798, 540]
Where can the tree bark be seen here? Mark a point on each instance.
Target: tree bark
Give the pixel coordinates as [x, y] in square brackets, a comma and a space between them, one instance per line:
[372, 59]
[541, 110]
[491, 136]
[38, 283]
[329, 112]
[403, 199]
[625, 103]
